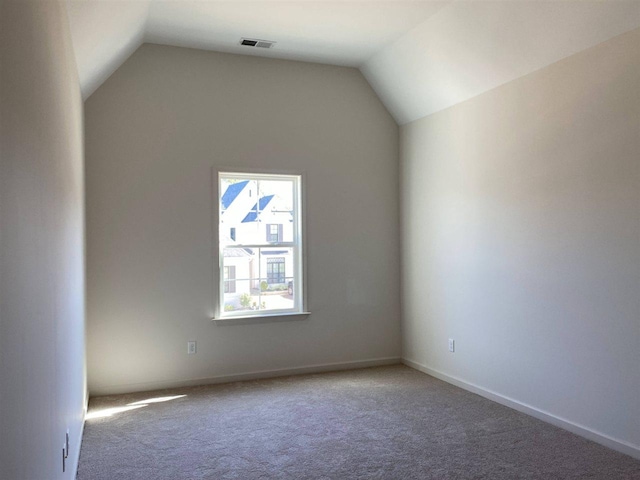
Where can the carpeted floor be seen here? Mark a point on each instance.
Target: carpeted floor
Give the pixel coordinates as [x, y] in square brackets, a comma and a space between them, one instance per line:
[383, 423]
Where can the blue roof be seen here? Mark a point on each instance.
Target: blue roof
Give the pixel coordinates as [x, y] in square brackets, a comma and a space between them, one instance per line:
[231, 193]
[252, 216]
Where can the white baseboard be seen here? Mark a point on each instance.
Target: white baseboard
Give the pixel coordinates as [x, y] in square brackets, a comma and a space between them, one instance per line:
[282, 372]
[601, 438]
[78, 443]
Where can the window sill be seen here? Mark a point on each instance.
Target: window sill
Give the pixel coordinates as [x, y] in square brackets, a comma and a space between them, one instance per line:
[266, 318]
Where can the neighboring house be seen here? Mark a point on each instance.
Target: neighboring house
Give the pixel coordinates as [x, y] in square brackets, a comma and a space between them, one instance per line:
[246, 219]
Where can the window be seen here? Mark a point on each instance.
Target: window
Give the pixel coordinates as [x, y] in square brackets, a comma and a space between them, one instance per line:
[275, 271]
[230, 279]
[260, 244]
[274, 233]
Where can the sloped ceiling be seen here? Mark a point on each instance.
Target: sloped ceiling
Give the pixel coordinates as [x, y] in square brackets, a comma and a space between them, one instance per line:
[419, 56]
[469, 48]
[104, 34]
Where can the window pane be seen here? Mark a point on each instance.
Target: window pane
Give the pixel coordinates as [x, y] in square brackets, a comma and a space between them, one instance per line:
[278, 212]
[258, 279]
[260, 211]
[277, 267]
[237, 263]
[239, 212]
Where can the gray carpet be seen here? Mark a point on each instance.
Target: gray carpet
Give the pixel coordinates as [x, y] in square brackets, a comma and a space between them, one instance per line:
[387, 423]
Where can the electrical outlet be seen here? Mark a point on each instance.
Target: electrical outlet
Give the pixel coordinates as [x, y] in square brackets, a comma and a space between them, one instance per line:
[191, 347]
[452, 345]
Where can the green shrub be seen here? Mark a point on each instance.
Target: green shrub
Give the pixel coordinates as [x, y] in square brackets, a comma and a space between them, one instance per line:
[264, 286]
[229, 308]
[245, 300]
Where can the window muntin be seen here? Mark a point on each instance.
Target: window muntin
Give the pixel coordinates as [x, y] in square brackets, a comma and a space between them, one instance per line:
[264, 213]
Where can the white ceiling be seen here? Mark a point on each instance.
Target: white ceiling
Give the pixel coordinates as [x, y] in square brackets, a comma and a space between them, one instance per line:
[420, 56]
[338, 32]
[104, 34]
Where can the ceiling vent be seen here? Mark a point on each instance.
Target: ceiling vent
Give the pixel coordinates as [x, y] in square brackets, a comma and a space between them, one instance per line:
[252, 42]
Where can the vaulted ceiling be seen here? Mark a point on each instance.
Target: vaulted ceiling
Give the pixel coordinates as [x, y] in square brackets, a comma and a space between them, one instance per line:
[419, 56]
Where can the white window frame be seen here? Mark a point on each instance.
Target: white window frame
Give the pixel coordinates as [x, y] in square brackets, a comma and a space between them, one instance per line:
[297, 245]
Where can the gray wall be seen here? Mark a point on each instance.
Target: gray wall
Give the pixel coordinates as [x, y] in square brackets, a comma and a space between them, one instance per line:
[154, 131]
[42, 361]
[521, 240]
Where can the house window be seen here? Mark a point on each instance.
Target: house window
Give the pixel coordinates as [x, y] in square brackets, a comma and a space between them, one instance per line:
[230, 279]
[260, 244]
[274, 233]
[275, 271]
